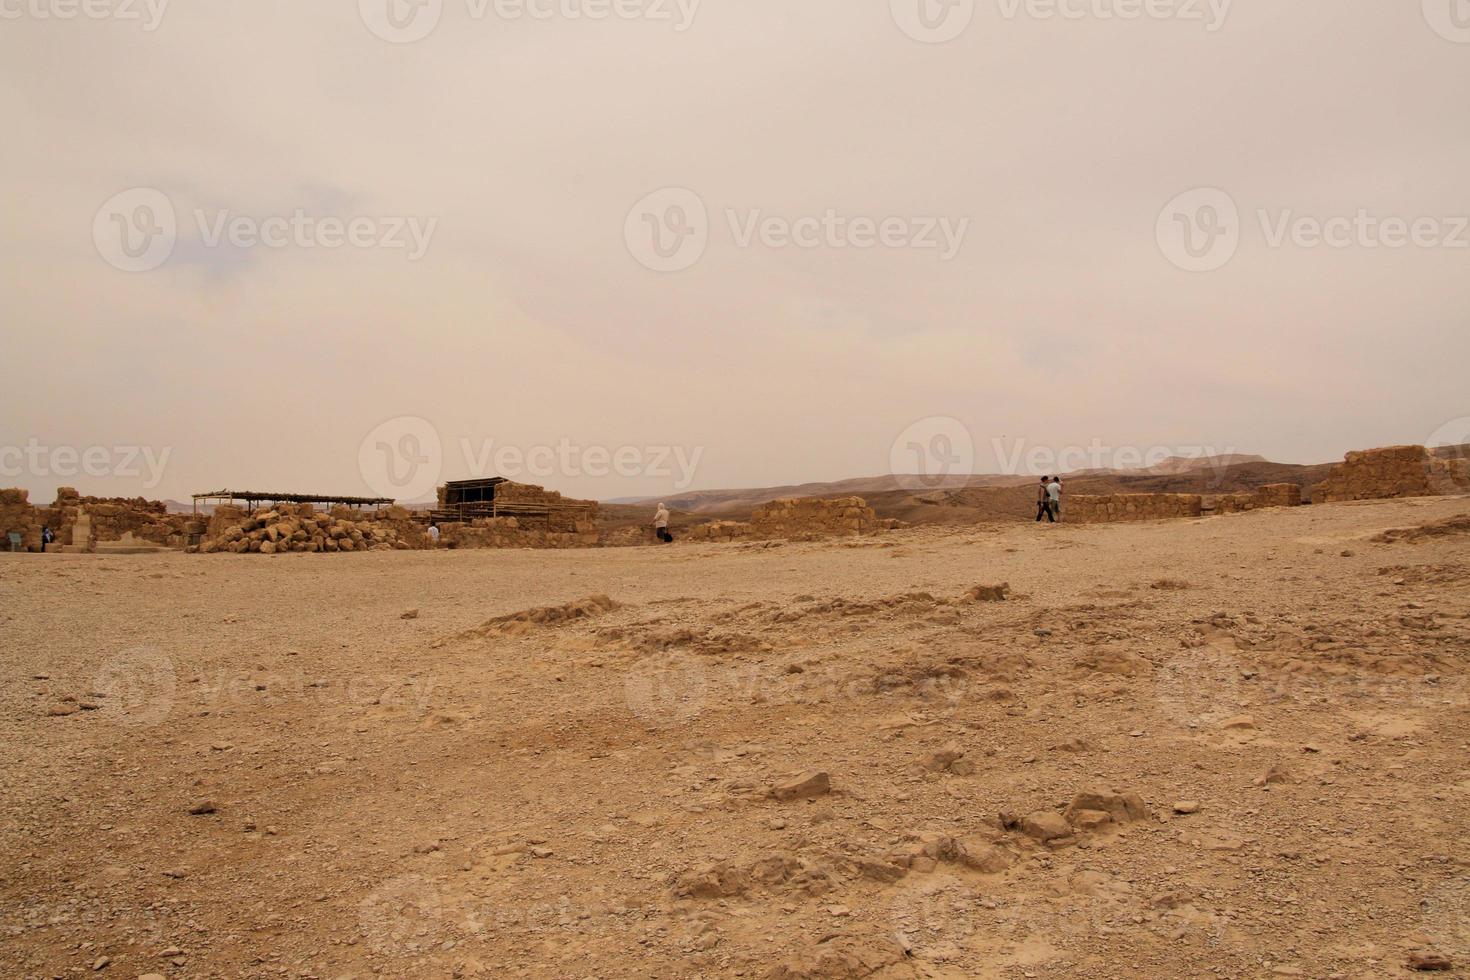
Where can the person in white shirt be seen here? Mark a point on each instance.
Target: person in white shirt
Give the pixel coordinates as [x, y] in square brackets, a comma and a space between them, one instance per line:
[661, 524]
[1054, 495]
[434, 534]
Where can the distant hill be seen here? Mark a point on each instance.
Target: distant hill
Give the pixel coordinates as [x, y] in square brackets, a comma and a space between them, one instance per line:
[990, 497]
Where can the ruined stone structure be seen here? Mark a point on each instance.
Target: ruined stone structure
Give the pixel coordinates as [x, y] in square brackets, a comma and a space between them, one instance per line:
[102, 521]
[1395, 471]
[1097, 509]
[720, 531]
[804, 517]
[797, 519]
[303, 528]
[508, 532]
[1272, 495]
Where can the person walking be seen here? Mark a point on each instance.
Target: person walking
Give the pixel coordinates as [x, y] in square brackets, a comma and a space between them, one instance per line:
[661, 525]
[1054, 496]
[1043, 502]
[434, 534]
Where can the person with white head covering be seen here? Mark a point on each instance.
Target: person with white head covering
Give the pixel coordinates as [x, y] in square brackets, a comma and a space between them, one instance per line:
[661, 524]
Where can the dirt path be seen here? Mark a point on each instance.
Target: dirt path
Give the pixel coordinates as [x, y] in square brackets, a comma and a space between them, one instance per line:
[586, 793]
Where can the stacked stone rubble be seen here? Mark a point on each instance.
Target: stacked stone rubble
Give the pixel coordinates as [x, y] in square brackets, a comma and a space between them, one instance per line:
[302, 528]
[1394, 471]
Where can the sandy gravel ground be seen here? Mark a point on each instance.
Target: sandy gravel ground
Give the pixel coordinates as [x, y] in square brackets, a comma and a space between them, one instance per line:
[587, 793]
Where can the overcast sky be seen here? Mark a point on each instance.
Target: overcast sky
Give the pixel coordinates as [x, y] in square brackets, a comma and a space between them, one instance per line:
[785, 240]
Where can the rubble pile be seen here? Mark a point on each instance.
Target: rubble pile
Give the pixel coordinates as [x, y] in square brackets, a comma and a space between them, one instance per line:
[301, 528]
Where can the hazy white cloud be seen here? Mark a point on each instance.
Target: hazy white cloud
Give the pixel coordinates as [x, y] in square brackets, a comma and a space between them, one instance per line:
[529, 320]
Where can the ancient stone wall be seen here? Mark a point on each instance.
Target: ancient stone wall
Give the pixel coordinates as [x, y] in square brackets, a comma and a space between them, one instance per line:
[805, 518]
[1394, 471]
[1097, 509]
[1272, 495]
[111, 519]
[17, 514]
[508, 532]
[719, 531]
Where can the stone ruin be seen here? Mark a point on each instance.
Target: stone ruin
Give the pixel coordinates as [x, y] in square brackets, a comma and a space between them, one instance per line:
[799, 519]
[1081, 508]
[1271, 495]
[1394, 471]
[89, 523]
[509, 532]
[303, 528]
[498, 513]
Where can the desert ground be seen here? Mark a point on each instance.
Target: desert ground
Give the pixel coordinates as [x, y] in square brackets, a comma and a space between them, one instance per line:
[821, 759]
